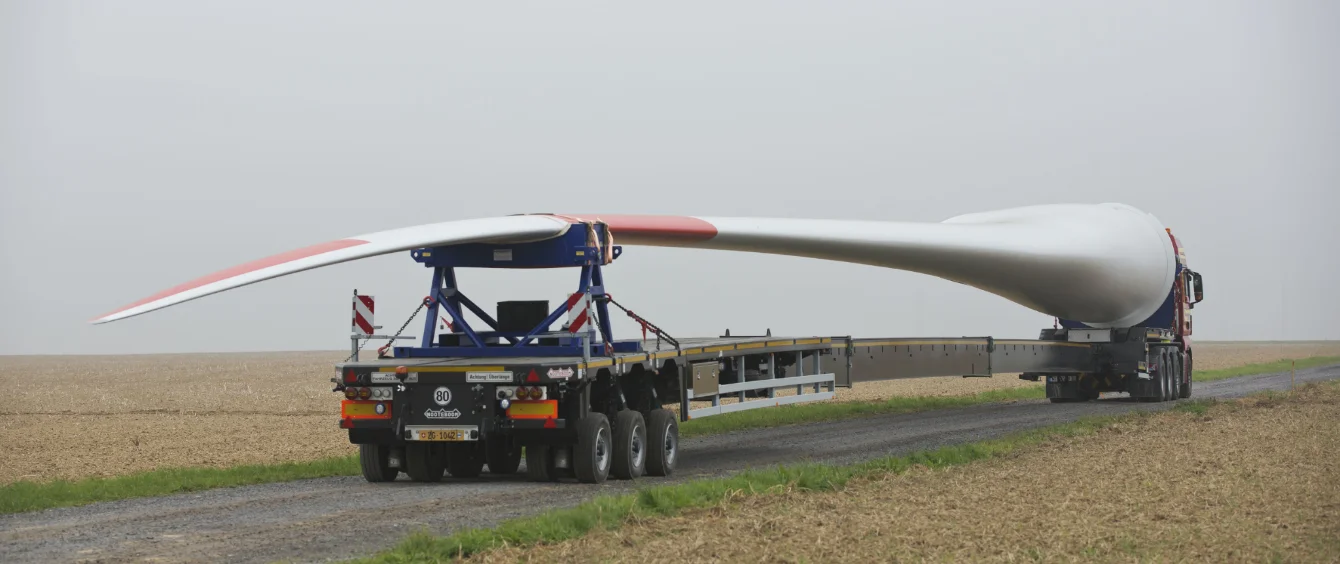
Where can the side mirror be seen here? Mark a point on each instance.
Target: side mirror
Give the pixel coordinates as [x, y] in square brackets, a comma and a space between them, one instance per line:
[1197, 288]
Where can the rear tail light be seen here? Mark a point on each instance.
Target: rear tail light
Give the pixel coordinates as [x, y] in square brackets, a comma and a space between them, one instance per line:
[350, 393]
[364, 393]
[536, 393]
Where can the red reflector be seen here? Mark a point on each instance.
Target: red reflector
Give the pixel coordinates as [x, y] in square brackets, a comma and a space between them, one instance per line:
[349, 377]
[346, 423]
[532, 377]
[550, 423]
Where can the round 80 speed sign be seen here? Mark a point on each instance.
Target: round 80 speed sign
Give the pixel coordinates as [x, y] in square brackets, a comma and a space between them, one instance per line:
[442, 395]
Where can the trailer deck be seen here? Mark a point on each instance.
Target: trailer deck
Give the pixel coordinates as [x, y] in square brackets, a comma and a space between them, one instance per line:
[691, 349]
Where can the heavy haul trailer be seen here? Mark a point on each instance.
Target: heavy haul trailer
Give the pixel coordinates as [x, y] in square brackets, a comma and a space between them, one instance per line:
[582, 404]
[577, 401]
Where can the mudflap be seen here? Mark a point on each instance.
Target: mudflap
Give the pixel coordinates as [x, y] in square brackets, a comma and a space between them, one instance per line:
[1141, 388]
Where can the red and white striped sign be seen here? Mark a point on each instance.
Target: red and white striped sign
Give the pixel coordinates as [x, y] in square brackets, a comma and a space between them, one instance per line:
[579, 312]
[363, 314]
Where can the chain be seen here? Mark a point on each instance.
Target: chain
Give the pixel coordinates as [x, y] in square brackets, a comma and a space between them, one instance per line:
[660, 333]
[382, 350]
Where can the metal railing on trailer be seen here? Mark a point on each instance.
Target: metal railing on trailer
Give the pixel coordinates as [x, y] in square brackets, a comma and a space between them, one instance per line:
[703, 383]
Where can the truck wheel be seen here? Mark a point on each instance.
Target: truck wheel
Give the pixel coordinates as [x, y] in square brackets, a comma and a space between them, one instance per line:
[592, 455]
[540, 464]
[1165, 376]
[425, 462]
[1175, 373]
[630, 445]
[502, 455]
[662, 442]
[1190, 373]
[464, 460]
[375, 461]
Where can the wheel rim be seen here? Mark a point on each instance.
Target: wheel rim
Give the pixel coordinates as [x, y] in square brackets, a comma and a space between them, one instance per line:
[670, 446]
[602, 450]
[639, 453]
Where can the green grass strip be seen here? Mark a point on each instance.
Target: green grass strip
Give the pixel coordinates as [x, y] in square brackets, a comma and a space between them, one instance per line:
[833, 411]
[1264, 368]
[31, 496]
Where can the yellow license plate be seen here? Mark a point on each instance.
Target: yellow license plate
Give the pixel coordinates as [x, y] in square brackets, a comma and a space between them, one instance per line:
[533, 409]
[443, 435]
[363, 409]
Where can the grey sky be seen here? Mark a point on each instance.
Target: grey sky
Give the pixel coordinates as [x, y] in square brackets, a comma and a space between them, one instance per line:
[145, 143]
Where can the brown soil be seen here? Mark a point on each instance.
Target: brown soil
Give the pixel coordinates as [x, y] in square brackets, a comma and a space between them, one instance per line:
[1255, 480]
[78, 416]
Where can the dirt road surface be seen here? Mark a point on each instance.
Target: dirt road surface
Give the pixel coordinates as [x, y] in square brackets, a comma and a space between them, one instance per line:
[334, 518]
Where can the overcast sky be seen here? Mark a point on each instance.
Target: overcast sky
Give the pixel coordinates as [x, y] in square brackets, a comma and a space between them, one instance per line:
[143, 144]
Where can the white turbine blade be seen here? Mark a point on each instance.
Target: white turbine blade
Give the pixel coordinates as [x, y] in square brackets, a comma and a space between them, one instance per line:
[1105, 265]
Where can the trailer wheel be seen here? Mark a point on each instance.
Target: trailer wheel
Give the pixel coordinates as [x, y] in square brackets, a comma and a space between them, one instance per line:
[464, 460]
[502, 455]
[592, 455]
[425, 462]
[630, 445]
[375, 461]
[662, 442]
[540, 464]
[1189, 372]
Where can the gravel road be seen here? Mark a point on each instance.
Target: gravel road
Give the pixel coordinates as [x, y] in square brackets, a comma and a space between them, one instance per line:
[336, 518]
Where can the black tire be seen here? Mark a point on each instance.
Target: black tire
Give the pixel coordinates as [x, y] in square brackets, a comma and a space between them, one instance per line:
[662, 442]
[540, 464]
[593, 453]
[1176, 373]
[375, 461]
[630, 445]
[1189, 370]
[502, 455]
[464, 460]
[1165, 372]
[425, 462]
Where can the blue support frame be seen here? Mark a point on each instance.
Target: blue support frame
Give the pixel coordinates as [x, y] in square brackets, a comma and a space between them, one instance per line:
[580, 247]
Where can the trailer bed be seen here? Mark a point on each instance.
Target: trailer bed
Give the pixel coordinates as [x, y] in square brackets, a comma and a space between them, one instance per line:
[691, 349]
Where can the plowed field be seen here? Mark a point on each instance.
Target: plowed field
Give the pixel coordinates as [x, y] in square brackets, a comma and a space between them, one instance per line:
[78, 416]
